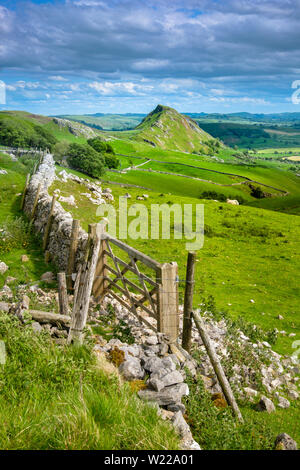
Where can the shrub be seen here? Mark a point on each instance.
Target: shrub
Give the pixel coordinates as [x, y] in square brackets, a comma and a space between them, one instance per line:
[101, 146]
[84, 158]
[61, 150]
[111, 161]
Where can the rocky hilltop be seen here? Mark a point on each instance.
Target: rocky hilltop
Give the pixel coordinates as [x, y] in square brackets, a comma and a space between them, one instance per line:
[166, 128]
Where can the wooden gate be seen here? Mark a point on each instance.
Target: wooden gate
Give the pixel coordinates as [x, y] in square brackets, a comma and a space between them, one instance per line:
[142, 285]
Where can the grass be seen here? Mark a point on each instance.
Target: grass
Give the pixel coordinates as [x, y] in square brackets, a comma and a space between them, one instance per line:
[58, 397]
[272, 174]
[16, 239]
[216, 429]
[248, 254]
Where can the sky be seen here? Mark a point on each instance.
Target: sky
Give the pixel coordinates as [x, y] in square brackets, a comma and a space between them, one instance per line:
[126, 56]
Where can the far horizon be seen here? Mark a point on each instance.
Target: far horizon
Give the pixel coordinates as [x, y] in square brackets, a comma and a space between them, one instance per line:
[125, 56]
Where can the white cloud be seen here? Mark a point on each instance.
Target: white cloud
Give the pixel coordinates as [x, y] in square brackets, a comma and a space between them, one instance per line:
[112, 88]
[58, 78]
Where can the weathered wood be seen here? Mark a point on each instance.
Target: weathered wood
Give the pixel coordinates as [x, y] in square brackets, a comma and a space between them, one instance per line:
[130, 268]
[151, 263]
[36, 199]
[168, 318]
[130, 283]
[40, 316]
[217, 367]
[125, 290]
[49, 223]
[134, 301]
[62, 294]
[72, 252]
[100, 284]
[140, 317]
[47, 256]
[188, 302]
[49, 317]
[25, 191]
[87, 276]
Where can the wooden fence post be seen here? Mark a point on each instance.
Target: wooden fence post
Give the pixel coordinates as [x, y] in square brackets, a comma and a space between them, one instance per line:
[100, 283]
[49, 223]
[62, 294]
[168, 317]
[25, 191]
[188, 302]
[217, 367]
[36, 201]
[85, 285]
[72, 252]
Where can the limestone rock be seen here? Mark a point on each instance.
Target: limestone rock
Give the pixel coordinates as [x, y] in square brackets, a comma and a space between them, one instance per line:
[283, 402]
[285, 442]
[181, 425]
[158, 381]
[131, 369]
[37, 328]
[3, 267]
[167, 396]
[265, 404]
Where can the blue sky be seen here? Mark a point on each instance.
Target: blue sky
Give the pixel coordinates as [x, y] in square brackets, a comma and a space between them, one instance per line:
[88, 56]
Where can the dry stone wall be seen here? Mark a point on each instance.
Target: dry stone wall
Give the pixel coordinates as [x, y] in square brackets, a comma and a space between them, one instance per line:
[61, 228]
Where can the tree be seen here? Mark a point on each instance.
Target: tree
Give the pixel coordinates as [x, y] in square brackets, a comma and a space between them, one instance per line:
[111, 161]
[84, 158]
[101, 146]
[61, 150]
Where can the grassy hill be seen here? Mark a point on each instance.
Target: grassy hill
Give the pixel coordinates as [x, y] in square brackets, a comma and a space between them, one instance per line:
[248, 253]
[166, 128]
[22, 129]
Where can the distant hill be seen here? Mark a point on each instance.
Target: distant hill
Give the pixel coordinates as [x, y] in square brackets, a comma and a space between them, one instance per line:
[166, 128]
[23, 129]
[279, 118]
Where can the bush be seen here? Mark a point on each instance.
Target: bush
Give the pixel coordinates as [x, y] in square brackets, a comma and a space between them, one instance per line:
[256, 192]
[101, 146]
[61, 150]
[111, 161]
[84, 158]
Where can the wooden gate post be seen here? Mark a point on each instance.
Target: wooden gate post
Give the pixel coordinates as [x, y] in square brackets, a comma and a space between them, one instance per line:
[49, 223]
[217, 367]
[188, 302]
[85, 285]
[62, 294]
[168, 316]
[100, 282]
[72, 252]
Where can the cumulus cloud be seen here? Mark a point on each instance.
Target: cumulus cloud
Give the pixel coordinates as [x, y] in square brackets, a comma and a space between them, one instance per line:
[179, 47]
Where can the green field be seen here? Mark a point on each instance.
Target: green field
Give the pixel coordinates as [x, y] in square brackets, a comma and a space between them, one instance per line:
[243, 248]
